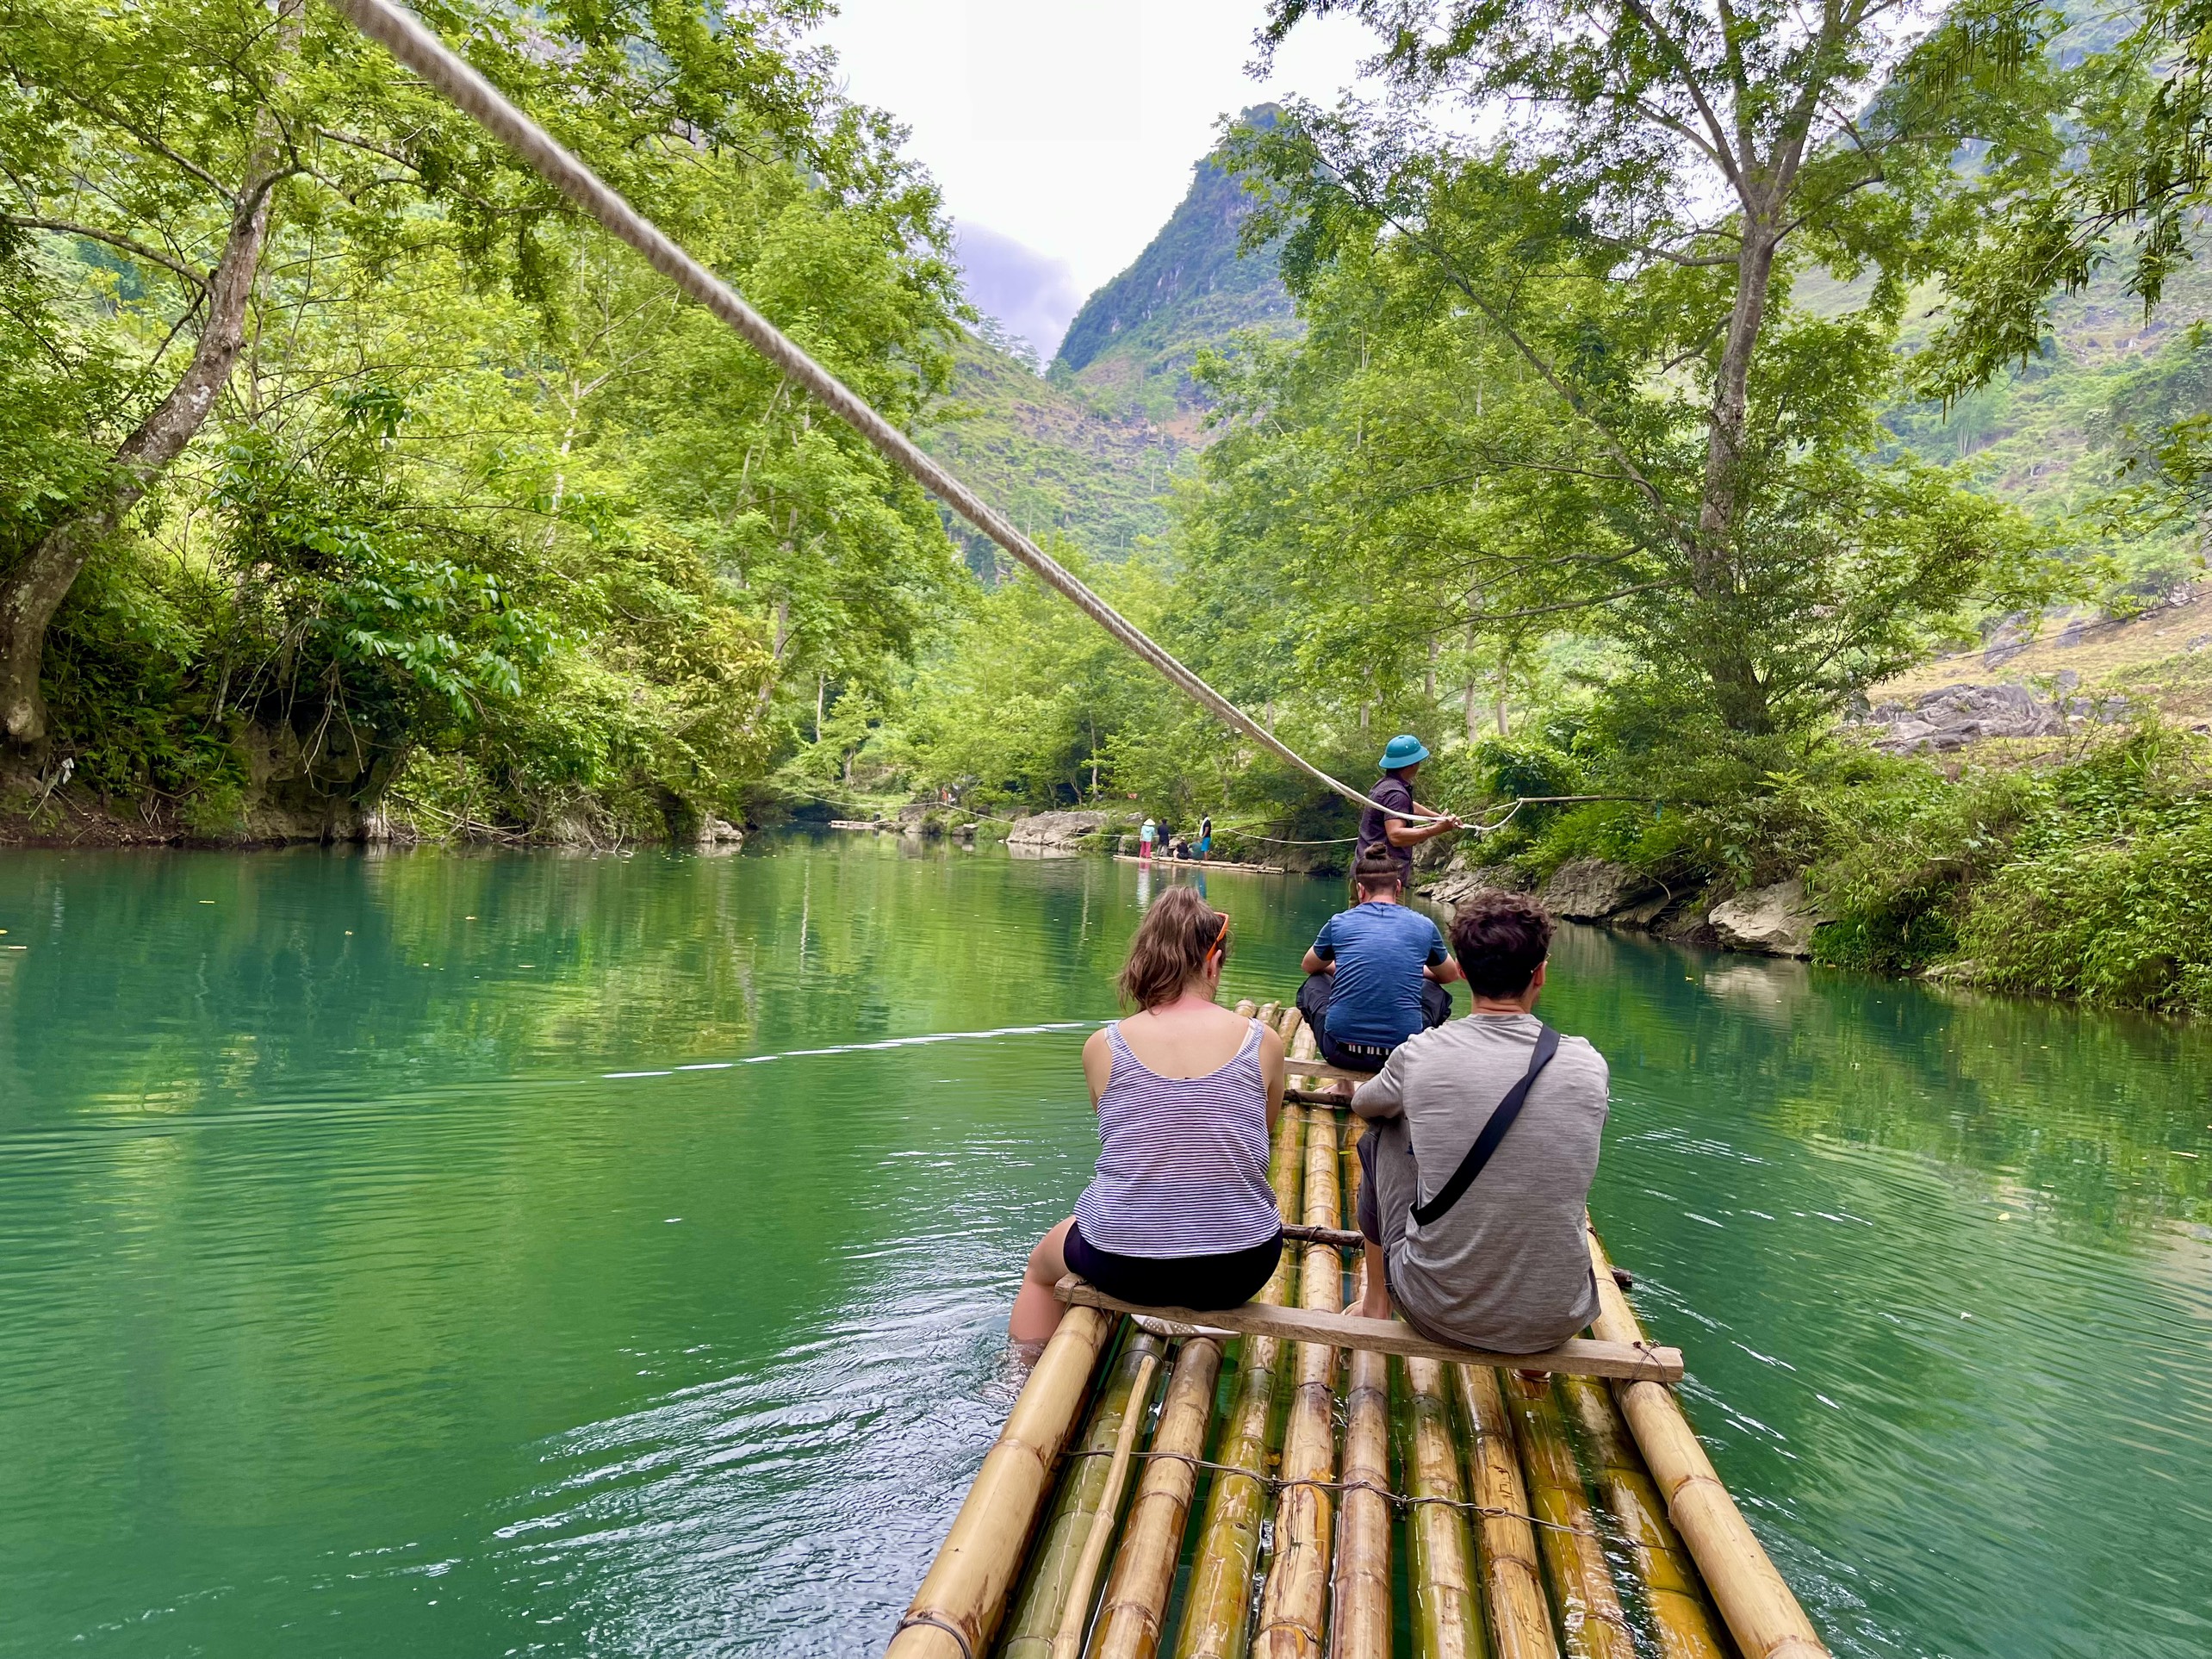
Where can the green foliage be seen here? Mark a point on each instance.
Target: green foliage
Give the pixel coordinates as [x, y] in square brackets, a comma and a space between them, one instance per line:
[485, 516]
[2109, 892]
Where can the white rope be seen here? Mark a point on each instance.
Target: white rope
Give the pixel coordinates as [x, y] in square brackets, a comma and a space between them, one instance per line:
[413, 45]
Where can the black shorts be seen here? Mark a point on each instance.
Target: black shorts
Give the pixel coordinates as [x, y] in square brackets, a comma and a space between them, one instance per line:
[1207, 1283]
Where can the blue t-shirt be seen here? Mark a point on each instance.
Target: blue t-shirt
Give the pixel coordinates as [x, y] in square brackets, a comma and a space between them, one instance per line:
[1379, 951]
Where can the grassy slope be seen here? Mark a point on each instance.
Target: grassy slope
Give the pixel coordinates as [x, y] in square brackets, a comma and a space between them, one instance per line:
[2051, 437]
[1048, 459]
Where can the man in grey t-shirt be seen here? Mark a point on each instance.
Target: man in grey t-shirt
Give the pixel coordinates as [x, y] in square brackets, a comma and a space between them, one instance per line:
[1506, 1268]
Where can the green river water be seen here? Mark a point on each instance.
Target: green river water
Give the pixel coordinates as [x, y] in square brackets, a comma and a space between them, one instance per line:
[437, 1255]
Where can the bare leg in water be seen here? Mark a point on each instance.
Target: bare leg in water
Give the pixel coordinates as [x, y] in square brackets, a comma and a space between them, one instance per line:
[1037, 1311]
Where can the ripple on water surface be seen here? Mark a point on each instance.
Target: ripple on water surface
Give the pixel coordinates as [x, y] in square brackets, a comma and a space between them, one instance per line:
[347, 1299]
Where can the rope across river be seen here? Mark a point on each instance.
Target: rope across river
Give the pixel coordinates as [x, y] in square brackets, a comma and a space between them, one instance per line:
[407, 40]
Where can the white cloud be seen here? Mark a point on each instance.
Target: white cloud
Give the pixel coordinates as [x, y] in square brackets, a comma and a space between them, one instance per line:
[1034, 295]
[1069, 125]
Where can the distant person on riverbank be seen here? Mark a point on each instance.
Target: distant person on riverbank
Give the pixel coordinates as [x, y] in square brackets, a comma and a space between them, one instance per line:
[1375, 974]
[1180, 1213]
[1387, 831]
[1206, 836]
[1147, 833]
[1498, 1259]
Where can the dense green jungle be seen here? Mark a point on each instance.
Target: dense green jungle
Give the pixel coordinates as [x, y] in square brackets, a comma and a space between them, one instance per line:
[1740, 430]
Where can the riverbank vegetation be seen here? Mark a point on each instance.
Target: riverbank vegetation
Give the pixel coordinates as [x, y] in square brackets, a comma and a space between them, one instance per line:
[1609, 459]
[1630, 450]
[347, 473]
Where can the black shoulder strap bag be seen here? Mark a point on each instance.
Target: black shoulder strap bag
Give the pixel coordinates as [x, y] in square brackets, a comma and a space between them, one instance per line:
[1547, 1044]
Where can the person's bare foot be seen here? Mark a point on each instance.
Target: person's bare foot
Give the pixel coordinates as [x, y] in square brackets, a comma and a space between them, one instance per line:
[1535, 1379]
[1374, 1304]
[1338, 1090]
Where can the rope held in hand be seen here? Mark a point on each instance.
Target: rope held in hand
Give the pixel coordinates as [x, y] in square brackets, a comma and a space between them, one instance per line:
[407, 40]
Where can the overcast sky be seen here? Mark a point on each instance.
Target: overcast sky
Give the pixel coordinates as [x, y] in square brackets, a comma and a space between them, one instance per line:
[1063, 131]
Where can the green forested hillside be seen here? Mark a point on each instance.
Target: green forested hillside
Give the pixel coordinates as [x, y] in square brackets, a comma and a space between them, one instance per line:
[2055, 435]
[1049, 458]
[1133, 344]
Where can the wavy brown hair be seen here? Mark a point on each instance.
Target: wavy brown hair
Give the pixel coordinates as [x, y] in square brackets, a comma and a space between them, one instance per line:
[1178, 933]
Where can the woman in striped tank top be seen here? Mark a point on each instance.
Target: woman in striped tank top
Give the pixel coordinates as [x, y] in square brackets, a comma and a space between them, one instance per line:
[1180, 1214]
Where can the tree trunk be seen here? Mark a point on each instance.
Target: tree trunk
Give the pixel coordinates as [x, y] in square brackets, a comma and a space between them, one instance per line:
[1728, 666]
[34, 591]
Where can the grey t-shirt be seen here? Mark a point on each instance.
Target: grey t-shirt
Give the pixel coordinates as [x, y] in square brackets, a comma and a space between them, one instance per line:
[1506, 1267]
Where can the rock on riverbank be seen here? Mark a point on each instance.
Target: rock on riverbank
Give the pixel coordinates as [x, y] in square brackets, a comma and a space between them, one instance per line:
[1772, 921]
[1055, 835]
[1775, 920]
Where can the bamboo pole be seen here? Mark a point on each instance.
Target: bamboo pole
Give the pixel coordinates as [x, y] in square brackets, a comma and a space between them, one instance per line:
[1591, 1623]
[963, 1597]
[1440, 1553]
[1762, 1612]
[1512, 1585]
[1361, 1627]
[1217, 1604]
[1267, 1013]
[1294, 1605]
[1034, 1614]
[1075, 1612]
[1247, 1008]
[1135, 1607]
[1664, 1570]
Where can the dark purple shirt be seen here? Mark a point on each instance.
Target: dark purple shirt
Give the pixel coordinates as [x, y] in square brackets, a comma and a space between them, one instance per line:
[1397, 794]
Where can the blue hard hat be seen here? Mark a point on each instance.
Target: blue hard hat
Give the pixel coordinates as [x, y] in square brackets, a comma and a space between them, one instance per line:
[1405, 750]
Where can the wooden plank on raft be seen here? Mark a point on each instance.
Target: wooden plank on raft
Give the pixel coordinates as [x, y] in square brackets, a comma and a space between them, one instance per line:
[1581, 1356]
[1322, 1069]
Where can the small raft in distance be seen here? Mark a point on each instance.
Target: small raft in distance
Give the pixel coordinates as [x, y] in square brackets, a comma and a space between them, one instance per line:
[1173, 1490]
[1161, 861]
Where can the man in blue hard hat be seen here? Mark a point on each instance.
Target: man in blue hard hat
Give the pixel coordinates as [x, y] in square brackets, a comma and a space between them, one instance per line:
[1387, 830]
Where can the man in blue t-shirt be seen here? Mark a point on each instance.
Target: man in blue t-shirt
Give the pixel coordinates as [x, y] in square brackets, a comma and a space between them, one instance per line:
[1376, 973]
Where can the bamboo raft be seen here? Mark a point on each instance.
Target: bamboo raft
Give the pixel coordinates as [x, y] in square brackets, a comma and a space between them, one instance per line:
[1163, 861]
[1166, 1487]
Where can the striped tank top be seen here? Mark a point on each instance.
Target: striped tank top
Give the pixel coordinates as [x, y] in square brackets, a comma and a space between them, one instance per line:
[1182, 1161]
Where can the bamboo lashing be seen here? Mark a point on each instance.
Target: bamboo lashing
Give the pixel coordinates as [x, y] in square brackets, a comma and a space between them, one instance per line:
[1664, 1573]
[957, 1610]
[1761, 1612]
[1592, 1625]
[1513, 1584]
[1135, 1611]
[1034, 1615]
[1068, 1642]
[1294, 1605]
[1440, 1551]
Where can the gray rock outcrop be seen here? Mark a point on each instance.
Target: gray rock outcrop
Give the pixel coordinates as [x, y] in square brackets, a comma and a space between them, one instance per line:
[1055, 835]
[1461, 882]
[1954, 716]
[1592, 889]
[718, 836]
[1776, 921]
